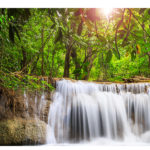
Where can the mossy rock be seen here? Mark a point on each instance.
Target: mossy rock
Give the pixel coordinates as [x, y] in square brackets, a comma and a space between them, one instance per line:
[20, 131]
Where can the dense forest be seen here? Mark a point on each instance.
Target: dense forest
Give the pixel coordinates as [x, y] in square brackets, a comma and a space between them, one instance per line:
[83, 44]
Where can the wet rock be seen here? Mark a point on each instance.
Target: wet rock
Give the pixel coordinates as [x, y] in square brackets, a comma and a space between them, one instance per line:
[136, 79]
[6, 103]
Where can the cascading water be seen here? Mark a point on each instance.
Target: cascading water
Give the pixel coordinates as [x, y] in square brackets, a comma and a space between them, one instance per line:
[35, 108]
[84, 112]
[26, 102]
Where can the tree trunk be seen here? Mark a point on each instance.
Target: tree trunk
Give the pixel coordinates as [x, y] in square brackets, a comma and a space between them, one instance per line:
[104, 68]
[76, 62]
[42, 50]
[36, 54]
[67, 62]
[88, 67]
[67, 58]
[51, 68]
[24, 61]
[149, 61]
[35, 64]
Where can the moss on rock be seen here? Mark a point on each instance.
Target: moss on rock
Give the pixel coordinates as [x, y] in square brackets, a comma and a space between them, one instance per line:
[20, 131]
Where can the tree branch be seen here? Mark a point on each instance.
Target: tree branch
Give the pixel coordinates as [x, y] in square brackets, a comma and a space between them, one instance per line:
[30, 62]
[139, 23]
[118, 25]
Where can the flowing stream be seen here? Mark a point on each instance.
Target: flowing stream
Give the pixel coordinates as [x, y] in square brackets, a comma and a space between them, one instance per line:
[90, 113]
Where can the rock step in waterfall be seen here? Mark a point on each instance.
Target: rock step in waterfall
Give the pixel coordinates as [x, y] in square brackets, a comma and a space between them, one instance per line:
[83, 112]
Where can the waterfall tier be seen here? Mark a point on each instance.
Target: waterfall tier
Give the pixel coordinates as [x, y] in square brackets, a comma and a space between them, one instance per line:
[83, 112]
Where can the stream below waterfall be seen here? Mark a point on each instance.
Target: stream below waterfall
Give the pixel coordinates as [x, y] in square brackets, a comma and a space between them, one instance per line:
[103, 114]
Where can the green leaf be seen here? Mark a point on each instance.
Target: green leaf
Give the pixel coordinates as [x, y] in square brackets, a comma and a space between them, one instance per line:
[133, 55]
[116, 53]
[1, 20]
[59, 35]
[142, 10]
[53, 26]
[109, 56]
[17, 33]
[102, 39]
[86, 64]
[77, 71]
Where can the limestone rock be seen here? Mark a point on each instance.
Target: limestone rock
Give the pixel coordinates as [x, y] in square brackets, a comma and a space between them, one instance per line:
[20, 131]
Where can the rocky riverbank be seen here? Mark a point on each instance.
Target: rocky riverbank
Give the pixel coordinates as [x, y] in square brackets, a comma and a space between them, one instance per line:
[23, 117]
[24, 114]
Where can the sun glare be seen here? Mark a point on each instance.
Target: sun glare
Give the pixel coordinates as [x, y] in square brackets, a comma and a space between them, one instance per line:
[107, 11]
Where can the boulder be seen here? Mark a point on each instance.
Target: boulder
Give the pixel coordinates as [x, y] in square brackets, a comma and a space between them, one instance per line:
[20, 131]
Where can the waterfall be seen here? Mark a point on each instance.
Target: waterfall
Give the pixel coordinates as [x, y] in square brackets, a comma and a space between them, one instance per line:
[35, 103]
[85, 111]
[26, 100]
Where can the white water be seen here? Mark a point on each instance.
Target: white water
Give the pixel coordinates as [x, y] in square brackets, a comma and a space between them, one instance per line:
[91, 113]
[39, 103]
[35, 108]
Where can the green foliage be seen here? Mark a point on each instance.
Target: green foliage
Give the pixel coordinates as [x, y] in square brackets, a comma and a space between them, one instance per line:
[95, 47]
[133, 55]
[58, 35]
[12, 81]
[109, 56]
